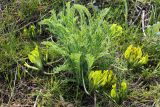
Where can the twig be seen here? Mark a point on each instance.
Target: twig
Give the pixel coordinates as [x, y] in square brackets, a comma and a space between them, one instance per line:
[119, 68]
[84, 86]
[139, 79]
[35, 103]
[12, 91]
[143, 22]
[136, 18]
[95, 99]
[126, 12]
[111, 98]
[56, 61]
[1, 11]
[23, 69]
[47, 73]
[62, 100]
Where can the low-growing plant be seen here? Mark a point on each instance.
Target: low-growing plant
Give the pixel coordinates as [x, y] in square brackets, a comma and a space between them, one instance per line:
[81, 38]
[153, 30]
[152, 46]
[119, 93]
[28, 8]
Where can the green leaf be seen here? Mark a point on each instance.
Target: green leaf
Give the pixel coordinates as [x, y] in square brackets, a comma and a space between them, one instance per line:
[90, 60]
[60, 68]
[153, 30]
[75, 60]
[55, 48]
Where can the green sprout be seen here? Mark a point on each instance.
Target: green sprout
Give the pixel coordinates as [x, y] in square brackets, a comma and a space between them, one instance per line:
[118, 94]
[30, 32]
[35, 58]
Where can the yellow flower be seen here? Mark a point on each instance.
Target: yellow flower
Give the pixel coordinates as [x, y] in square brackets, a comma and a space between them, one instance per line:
[101, 78]
[104, 79]
[128, 51]
[95, 77]
[139, 53]
[114, 86]
[113, 91]
[123, 86]
[109, 75]
[144, 59]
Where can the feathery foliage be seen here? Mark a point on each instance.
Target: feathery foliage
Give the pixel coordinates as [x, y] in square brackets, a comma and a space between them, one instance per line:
[81, 38]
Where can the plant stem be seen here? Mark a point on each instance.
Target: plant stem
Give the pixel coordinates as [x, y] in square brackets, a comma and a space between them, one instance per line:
[84, 86]
[95, 99]
[126, 12]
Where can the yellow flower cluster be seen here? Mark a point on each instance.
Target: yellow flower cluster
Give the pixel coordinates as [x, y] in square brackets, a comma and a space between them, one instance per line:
[101, 78]
[135, 55]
